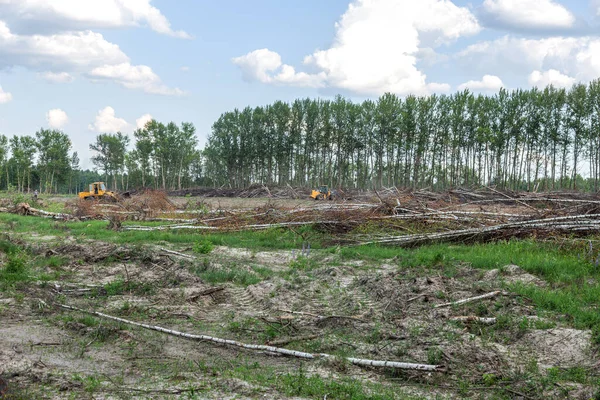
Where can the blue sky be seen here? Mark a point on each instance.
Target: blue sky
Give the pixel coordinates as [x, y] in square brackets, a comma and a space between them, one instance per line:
[91, 66]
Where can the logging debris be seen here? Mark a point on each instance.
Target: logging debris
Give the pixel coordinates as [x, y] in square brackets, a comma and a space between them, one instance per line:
[267, 348]
[400, 217]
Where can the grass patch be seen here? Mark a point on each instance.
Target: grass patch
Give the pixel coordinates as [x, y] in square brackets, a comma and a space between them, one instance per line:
[269, 239]
[119, 287]
[16, 266]
[573, 291]
[542, 259]
[298, 383]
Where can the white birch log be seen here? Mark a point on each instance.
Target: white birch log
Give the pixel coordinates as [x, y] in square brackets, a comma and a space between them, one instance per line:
[272, 349]
[178, 254]
[469, 300]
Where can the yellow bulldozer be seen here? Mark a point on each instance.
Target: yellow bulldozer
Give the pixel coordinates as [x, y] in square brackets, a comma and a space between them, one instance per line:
[322, 193]
[98, 191]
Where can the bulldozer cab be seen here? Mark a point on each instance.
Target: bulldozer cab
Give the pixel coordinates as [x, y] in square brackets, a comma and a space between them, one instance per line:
[97, 187]
[324, 189]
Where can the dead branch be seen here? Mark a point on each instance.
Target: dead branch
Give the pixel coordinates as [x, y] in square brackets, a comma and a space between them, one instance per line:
[513, 199]
[471, 318]
[321, 317]
[573, 222]
[469, 300]
[178, 254]
[272, 349]
[206, 292]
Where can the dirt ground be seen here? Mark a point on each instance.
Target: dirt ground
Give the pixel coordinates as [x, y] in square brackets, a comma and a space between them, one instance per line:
[322, 303]
[368, 311]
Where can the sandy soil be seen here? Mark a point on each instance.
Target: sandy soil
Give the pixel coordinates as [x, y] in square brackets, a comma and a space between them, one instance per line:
[359, 309]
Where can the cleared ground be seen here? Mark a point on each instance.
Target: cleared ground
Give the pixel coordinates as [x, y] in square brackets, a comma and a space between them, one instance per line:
[261, 288]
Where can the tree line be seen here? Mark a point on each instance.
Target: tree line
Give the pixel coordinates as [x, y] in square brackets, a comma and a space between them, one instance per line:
[163, 156]
[522, 140]
[537, 139]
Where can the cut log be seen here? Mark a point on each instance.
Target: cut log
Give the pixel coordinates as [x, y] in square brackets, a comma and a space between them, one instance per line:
[469, 300]
[266, 348]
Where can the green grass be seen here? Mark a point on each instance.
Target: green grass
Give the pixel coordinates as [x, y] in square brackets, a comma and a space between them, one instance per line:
[272, 239]
[223, 275]
[298, 383]
[573, 291]
[120, 287]
[15, 267]
[541, 259]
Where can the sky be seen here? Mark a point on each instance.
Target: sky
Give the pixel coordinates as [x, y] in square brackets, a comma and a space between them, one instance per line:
[101, 66]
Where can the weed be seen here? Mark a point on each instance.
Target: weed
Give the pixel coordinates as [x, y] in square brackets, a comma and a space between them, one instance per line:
[15, 270]
[203, 247]
[115, 288]
[89, 321]
[434, 355]
[300, 263]
[489, 379]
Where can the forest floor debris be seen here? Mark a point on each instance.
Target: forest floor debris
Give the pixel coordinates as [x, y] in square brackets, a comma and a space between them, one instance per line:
[352, 303]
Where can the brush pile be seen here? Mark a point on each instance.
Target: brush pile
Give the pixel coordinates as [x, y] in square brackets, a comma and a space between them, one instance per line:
[410, 218]
[389, 216]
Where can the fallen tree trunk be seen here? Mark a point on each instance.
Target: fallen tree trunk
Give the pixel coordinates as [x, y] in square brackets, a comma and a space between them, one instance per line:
[272, 349]
[574, 222]
[469, 300]
[26, 209]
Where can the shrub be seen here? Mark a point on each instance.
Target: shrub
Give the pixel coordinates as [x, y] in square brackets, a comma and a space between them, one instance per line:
[203, 247]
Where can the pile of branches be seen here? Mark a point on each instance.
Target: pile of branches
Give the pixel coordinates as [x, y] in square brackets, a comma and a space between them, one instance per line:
[253, 191]
[411, 218]
[392, 216]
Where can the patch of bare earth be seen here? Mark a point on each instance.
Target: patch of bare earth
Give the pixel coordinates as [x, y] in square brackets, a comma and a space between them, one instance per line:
[381, 312]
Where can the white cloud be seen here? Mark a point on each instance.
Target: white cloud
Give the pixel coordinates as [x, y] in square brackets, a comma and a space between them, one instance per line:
[143, 120]
[576, 57]
[528, 14]
[489, 83]
[550, 77]
[184, 69]
[107, 122]
[134, 77]
[70, 15]
[57, 77]
[78, 52]
[5, 97]
[57, 118]
[375, 49]
[265, 66]
[68, 51]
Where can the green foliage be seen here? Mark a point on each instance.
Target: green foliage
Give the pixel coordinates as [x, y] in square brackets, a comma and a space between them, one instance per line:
[203, 247]
[434, 355]
[95, 230]
[303, 263]
[437, 141]
[116, 287]
[232, 274]
[16, 267]
[489, 379]
[120, 287]
[301, 384]
[542, 259]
